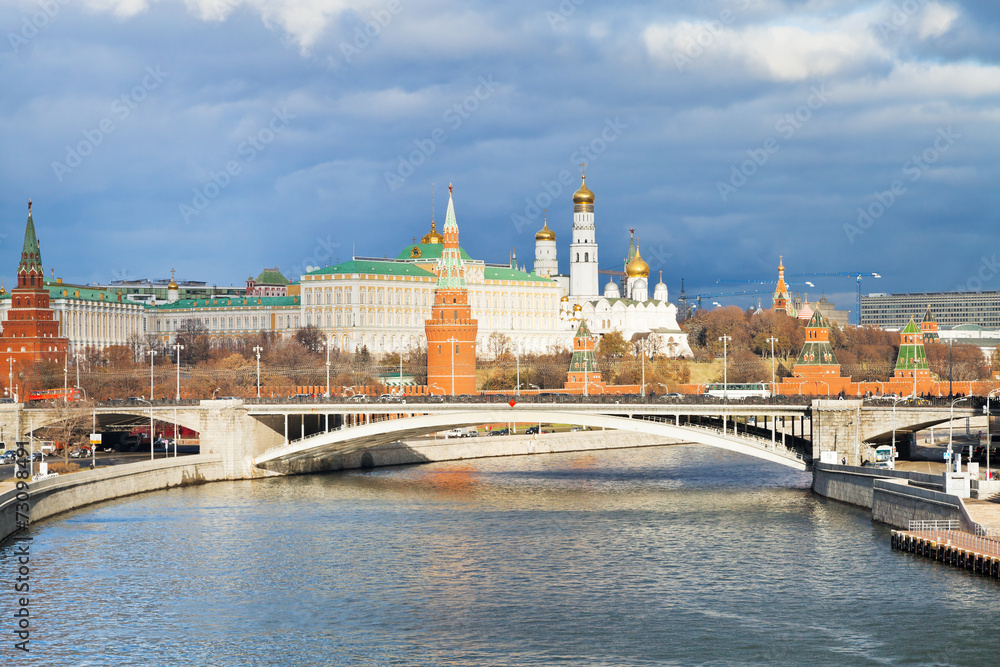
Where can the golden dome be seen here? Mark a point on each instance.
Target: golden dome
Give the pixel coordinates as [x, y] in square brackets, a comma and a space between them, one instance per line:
[564, 299]
[637, 267]
[577, 308]
[583, 196]
[432, 236]
[545, 234]
[172, 285]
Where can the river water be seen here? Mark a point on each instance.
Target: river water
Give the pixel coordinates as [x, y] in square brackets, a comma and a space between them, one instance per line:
[667, 555]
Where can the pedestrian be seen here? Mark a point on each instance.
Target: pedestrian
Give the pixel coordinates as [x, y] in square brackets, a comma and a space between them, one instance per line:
[843, 461]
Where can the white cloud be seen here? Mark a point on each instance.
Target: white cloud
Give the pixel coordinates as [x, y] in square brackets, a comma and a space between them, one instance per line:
[122, 8]
[936, 20]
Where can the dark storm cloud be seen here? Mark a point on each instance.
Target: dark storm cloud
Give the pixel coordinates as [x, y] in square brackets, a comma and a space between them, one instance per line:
[291, 132]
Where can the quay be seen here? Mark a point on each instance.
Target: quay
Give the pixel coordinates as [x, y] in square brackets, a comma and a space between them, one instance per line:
[943, 542]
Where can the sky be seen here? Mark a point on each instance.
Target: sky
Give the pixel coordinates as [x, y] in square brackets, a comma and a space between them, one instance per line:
[219, 137]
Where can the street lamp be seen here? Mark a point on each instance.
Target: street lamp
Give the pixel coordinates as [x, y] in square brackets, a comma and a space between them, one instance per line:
[772, 340]
[66, 379]
[640, 352]
[451, 343]
[152, 355]
[151, 432]
[327, 370]
[517, 358]
[258, 349]
[989, 438]
[178, 347]
[725, 364]
[894, 402]
[827, 387]
[951, 428]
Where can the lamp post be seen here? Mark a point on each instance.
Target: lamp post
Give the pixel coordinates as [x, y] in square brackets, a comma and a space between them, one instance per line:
[642, 359]
[328, 368]
[827, 387]
[152, 355]
[76, 357]
[950, 394]
[10, 382]
[517, 358]
[772, 340]
[451, 343]
[725, 364]
[178, 347]
[258, 349]
[951, 428]
[894, 402]
[151, 432]
[989, 438]
[66, 379]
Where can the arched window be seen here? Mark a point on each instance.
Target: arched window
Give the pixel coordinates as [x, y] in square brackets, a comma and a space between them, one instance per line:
[586, 256]
[578, 257]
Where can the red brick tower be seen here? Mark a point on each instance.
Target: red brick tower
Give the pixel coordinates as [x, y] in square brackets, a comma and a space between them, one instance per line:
[30, 332]
[451, 331]
[779, 302]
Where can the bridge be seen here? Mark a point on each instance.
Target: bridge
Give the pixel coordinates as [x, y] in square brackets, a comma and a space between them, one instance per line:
[269, 437]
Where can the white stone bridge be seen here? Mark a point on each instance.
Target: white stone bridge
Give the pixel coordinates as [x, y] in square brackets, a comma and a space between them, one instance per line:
[262, 438]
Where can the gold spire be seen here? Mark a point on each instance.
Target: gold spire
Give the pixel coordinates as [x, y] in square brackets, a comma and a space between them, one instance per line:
[637, 267]
[432, 236]
[545, 234]
[173, 283]
[583, 199]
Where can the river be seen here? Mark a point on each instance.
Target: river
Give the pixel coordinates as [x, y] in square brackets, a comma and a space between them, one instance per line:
[666, 555]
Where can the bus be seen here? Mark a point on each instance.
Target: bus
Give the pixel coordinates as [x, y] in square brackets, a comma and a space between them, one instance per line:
[885, 457]
[733, 390]
[71, 394]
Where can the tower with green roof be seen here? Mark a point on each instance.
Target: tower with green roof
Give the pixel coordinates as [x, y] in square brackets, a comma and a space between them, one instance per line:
[912, 360]
[584, 374]
[817, 359]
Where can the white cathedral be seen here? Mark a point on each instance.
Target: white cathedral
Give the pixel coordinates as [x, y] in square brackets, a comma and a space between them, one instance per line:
[635, 314]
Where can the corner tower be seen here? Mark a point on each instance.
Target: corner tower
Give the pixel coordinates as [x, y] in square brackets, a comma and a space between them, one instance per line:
[912, 359]
[31, 332]
[451, 331]
[583, 277]
[817, 360]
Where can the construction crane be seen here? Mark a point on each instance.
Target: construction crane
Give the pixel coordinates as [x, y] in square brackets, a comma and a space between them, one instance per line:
[843, 274]
[687, 298]
[762, 282]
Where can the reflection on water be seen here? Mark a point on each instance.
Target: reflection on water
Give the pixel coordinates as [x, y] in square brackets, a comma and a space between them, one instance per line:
[673, 555]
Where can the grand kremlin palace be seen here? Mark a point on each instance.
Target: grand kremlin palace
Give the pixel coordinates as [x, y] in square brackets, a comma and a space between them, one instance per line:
[383, 303]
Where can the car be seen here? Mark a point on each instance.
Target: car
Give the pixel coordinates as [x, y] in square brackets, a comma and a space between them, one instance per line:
[388, 398]
[8, 456]
[358, 398]
[79, 453]
[499, 431]
[435, 398]
[574, 429]
[531, 430]
[673, 394]
[294, 397]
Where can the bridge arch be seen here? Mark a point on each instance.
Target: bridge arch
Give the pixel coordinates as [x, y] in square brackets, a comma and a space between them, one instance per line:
[356, 438]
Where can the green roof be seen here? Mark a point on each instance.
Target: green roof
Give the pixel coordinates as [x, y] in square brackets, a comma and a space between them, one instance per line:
[31, 256]
[428, 251]
[271, 277]
[85, 293]
[376, 267]
[583, 360]
[503, 273]
[911, 328]
[231, 302]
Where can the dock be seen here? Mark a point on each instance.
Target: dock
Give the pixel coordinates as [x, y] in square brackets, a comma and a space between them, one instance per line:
[943, 542]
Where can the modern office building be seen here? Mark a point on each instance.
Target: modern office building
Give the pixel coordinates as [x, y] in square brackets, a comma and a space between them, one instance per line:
[893, 311]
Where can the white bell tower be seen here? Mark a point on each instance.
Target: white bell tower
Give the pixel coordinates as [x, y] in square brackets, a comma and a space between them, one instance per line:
[583, 276]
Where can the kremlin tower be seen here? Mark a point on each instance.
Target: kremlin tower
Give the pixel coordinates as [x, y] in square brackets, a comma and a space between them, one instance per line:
[30, 332]
[451, 331]
[779, 302]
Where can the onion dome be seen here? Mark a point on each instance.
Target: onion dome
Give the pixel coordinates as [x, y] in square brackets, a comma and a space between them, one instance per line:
[545, 234]
[564, 299]
[432, 236]
[577, 308]
[583, 199]
[637, 267]
[172, 285]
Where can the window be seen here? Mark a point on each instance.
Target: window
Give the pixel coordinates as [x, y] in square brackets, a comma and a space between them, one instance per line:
[586, 256]
[578, 257]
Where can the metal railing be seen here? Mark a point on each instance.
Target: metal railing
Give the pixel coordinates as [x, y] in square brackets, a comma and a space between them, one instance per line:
[934, 524]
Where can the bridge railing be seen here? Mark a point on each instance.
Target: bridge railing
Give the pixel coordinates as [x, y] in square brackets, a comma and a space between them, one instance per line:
[794, 447]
